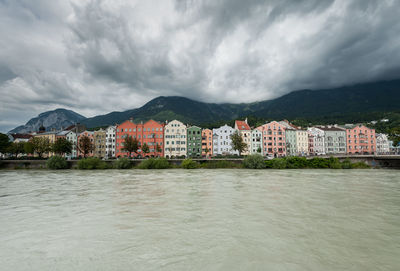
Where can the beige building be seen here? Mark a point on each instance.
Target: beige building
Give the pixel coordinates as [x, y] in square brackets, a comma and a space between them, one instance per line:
[175, 139]
[99, 137]
[302, 142]
[245, 133]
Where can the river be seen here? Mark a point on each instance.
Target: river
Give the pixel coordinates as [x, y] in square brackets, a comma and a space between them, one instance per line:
[226, 219]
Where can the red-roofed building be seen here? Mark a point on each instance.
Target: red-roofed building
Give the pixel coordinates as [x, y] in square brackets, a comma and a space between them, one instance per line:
[245, 132]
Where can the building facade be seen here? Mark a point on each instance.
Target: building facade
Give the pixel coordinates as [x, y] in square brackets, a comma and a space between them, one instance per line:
[245, 133]
[51, 137]
[222, 142]
[256, 146]
[71, 137]
[110, 141]
[302, 142]
[360, 140]
[382, 144]
[100, 143]
[316, 141]
[206, 142]
[334, 139]
[88, 134]
[150, 133]
[175, 139]
[194, 141]
[274, 139]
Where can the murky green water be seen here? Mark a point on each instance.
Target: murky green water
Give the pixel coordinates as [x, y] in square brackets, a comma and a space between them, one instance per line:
[200, 220]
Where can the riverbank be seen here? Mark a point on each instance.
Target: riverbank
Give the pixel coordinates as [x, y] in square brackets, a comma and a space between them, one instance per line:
[277, 163]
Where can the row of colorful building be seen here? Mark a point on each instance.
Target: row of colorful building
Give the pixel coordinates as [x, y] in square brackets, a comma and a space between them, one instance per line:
[175, 139]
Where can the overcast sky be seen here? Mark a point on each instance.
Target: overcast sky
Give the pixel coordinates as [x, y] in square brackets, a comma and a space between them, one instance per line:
[99, 56]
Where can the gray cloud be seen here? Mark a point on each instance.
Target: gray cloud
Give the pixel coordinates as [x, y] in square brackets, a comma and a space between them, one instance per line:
[96, 56]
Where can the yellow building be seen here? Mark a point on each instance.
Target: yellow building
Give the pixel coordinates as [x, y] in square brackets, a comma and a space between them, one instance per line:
[100, 143]
[51, 137]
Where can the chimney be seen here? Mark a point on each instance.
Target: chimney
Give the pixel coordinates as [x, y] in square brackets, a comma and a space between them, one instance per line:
[245, 121]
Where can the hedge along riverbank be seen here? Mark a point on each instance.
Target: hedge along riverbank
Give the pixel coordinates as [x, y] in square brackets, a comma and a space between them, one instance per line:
[251, 162]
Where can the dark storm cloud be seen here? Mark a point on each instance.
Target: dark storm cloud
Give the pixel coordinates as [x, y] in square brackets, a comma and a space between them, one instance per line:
[97, 56]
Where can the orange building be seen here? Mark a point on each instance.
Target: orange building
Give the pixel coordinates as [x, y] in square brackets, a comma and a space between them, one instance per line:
[360, 140]
[274, 140]
[150, 132]
[206, 142]
[89, 134]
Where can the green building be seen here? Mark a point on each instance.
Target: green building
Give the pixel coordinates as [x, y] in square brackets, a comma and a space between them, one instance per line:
[194, 141]
[291, 142]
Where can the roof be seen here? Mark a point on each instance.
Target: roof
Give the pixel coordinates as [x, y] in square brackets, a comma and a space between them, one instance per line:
[15, 136]
[242, 125]
[330, 128]
[63, 133]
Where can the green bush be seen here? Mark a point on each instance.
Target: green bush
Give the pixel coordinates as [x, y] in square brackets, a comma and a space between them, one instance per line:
[346, 164]
[154, 163]
[92, 163]
[56, 162]
[296, 162]
[318, 163]
[189, 164]
[360, 165]
[122, 163]
[255, 161]
[334, 163]
[279, 163]
[220, 164]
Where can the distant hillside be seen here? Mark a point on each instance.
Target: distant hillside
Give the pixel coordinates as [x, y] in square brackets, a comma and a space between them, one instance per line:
[351, 101]
[362, 102]
[51, 119]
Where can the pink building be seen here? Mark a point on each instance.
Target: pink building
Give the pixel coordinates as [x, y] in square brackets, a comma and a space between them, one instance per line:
[88, 134]
[274, 141]
[360, 140]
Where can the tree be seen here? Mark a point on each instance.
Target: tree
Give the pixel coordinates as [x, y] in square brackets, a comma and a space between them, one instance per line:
[145, 148]
[237, 142]
[16, 148]
[28, 147]
[158, 148]
[394, 135]
[4, 143]
[259, 149]
[41, 145]
[62, 146]
[206, 151]
[130, 145]
[85, 145]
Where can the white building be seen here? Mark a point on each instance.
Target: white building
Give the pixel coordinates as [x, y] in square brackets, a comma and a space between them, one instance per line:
[245, 132]
[72, 137]
[318, 140]
[222, 143]
[175, 139]
[110, 141]
[256, 142]
[382, 144]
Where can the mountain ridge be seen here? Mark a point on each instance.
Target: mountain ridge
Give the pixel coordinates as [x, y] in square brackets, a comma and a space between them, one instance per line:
[361, 99]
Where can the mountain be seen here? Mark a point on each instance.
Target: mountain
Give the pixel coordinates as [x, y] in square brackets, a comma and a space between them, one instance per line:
[344, 102]
[361, 102]
[57, 119]
[169, 108]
